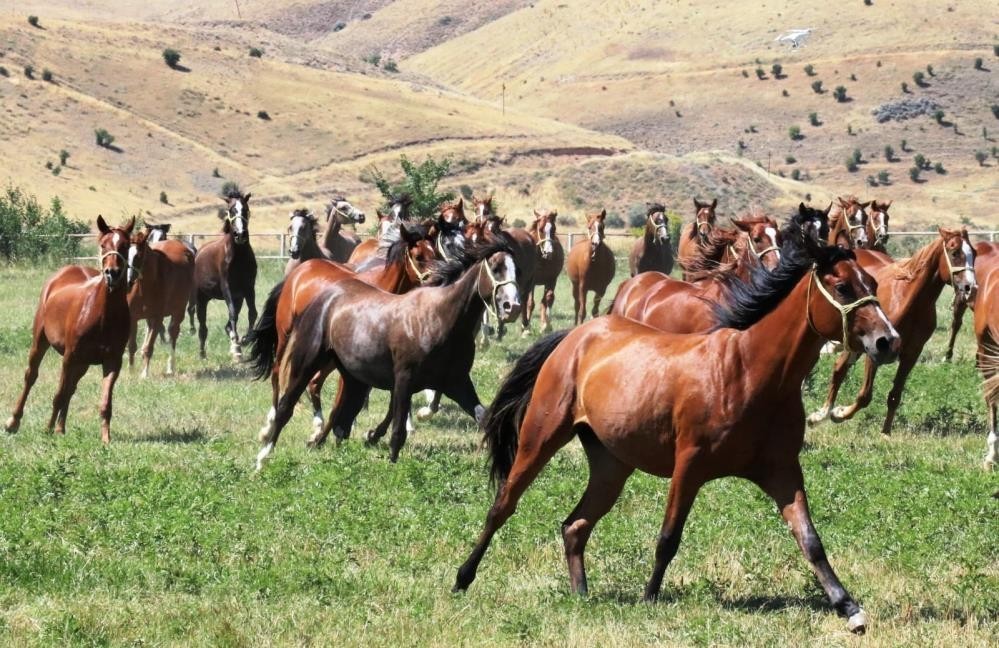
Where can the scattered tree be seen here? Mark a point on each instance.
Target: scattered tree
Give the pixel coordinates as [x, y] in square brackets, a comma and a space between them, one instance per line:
[914, 174]
[929, 70]
[817, 86]
[47, 75]
[851, 164]
[919, 160]
[56, 170]
[163, 198]
[840, 93]
[889, 153]
[48, 164]
[29, 71]
[776, 69]
[995, 110]
[420, 181]
[390, 66]
[905, 146]
[795, 174]
[103, 137]
[262, 114]
[33, 21]
[938, 116]
[63, 156]
[745, 74]
[374, 59]
[919, 78]
[760, 74]
[872, 181]
[995, 50]
[790, 159]
[810, 70]
[857, 156]
[884, 177]
[980, 157]
[794, 132]
[905, 87]
[979, 63]
[4, 72]
[215, 173]
[939, 168]
[813, 118]
[171, 57]
[256, 52]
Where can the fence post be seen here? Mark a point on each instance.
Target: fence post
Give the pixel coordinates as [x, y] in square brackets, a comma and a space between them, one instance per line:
[283, 245]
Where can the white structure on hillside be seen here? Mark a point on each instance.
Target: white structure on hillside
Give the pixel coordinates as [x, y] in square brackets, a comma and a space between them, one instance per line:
[795, 37]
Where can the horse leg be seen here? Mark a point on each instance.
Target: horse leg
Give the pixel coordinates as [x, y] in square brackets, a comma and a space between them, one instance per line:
[402, 401]
[288, 389]
[607, 478]
[992, 443]
[39, 345]
[905, 364]
[350, 400]
[547, 302]
[542, 434]
[316, 396]
[375, 434]
[133, 333]
[526, 312]
[462, 392]
[840, 369]
[484, 330]
[69, 378]
[235, 306]
[267, 431]
[578, 296]
[155, 327]
[958, 308]
[683, 488]
[174, 332]
[840, 414]
[433, 404]
[251, 307]
[597, 296]
[202, 325]
[111, 369]
[786, 486]
[192, 302]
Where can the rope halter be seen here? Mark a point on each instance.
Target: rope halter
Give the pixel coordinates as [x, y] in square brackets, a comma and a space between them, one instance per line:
[496, 286]
[759, 253]
[422, 276]
[844, 309]
[658, 227]
[118, 254]
[954, 270]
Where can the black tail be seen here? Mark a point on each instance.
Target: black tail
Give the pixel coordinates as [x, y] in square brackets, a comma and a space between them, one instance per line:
[501, 424]
[305, 344]
[262, 340]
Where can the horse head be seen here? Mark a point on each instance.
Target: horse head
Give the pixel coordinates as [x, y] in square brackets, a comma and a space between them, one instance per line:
[483, 207]
[958, 264]
[657, 224]
[301, 227]
[813, 223]
[113, 243]
[543, 231]
[157, 233]
[704, 218]
[342, 211]
[763, 239]
[236, 217]
[877, 223]
[595, 230]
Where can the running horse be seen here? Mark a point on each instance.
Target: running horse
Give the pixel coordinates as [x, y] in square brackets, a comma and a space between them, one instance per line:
[987, 335]
[398, 212]
[161, 275]
[337, 244]
[848, 223]
[653, 252]
[548, 261]
[767, 341]
[447, 232]
[694, 236]
[877, 226]
[302, 244]
[226, 269]
[590, 266]
[423, 339]
[983, 250]
[83, 315]
[909, 289]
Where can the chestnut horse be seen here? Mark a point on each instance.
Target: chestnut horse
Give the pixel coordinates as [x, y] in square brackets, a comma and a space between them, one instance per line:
[83, 315]
[983, 250]
[909, 290]
[694, 235]
[675, 426]
[590, 266]
[398, 213]
[303, 230]
[424, 339]
[877, 226]
[400, 264]
[337, 244]
[226, 269]
[653, 252]
[987, 334]
[548, 261]
[162, 278]
[848, 223]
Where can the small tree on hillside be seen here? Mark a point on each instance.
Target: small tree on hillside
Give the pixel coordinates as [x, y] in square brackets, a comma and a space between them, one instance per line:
[171, 57]
[980, 157]
[810, 70]
[63, 156]
[420, 181]
[103, 137]
[840, 93]
[33, 21]
[889, 153]
[817, 86]
[777, 68]
[794, 132]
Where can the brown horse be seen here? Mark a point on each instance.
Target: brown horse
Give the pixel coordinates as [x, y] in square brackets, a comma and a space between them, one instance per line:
[987, 334]
[226, 269]
[401, 263]
[162, 278]
[877, 226]
[983, 250]
[590, 266]
[340, 245]
[447, 232]
[424, 339]
[548, 261]
[694, 235]
[675, 426]
[483, 208]
[653, 252]
[303, 230]
[909, 290]
[83, 315]
[848, 223]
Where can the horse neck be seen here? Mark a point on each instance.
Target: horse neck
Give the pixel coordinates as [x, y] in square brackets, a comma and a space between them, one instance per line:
[332, 233]
[925, 284]
[781, 348]
[460, 302]
[650, 234]
[744, 261]
[393, 277]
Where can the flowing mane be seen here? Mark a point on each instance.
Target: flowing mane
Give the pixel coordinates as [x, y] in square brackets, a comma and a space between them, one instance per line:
[907, 269]
[705, 265]
[391, 247]
[445, 273]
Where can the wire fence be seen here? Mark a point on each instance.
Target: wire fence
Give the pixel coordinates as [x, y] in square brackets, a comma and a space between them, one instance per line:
[274, 245]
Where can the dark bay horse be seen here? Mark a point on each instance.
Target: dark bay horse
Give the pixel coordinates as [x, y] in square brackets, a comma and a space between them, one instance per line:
[303, 244]
[83, 315]
[447, 232]
[423, 339]
[848, 223]
[590, 266]
[767, 342]
[226, 269]
[909, 290]
[983, 250]
[987, 335]
[653, 252]
[338, 244]
[401, 263]
[162, 278]
[548, 261]
[694, 235]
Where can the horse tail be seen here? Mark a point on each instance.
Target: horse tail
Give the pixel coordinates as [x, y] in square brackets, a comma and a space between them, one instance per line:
[305, 344]
[501, 423]
[988, 364]
[262, 340]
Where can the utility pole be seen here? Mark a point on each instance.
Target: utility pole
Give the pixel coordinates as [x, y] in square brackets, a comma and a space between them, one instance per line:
[504, 99]
[238, 12]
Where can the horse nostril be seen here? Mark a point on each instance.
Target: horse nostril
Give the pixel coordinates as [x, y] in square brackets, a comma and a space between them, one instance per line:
[883, 345]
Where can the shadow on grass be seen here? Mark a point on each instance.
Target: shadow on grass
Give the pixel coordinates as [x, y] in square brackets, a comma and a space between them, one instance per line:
[222, 373]
[774, 603]
[171, 435]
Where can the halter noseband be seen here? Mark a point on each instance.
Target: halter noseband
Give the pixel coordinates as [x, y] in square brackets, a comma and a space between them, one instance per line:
[118, 254]
[659, 227]
[844, 309]
[953, 270]
[421, 276]
[759, 254]
[496, 286]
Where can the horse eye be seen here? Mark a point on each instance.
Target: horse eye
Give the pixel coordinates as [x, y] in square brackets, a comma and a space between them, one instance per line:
[842, 289]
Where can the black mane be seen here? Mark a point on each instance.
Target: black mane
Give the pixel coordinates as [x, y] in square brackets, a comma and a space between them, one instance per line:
[444, 273]
[746, 303]
[655, 208]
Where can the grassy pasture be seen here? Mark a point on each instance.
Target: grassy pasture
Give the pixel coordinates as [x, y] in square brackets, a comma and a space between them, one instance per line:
[169, 538]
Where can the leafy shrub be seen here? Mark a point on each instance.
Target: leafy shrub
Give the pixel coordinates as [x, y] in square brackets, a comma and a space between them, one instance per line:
[919, 160]
[615, 221]
[840, 93]
[889, 153]
[390, 66]
[47, 75]
[420, 181]
[939, 168]
[980, 157]
[905, 145]
[995, 50]
[215, 173]
[872, 181]
[776, 69]
[262, 114]
[919, 78]
[817, 86]
[857, 156]
[373, 59]
[938, 116]
[995, 110]
[790, 159]
[760, 74]
[63, 156]
[905, 87]
[103, 137]
[29, 232]
[256, 52]
[745, 74]
[979, 63]
[49, 165]
[796, 174]
[566, 220]
[56, 170]
[171, 57]
[813, 118]
[884, 177]
[914, 173]
[851, 164]
[4, 72]
[29, 71]
[341, 25]
[33, 21]
[810, 70]
[794, 132]
[163, 198]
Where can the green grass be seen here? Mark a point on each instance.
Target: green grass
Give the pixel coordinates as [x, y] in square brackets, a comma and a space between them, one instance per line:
[169, 538]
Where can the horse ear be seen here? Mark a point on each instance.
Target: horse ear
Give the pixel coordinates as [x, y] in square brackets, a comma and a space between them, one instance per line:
[130, 227]
[461, 203]
[603, 214]
[745, 227]
[409, 236]
[102, 226]
[714, 203]
[842, 203]
[246, 198]
[885, 207]
[697, 205]
[867, 204]
[538, 215]
[165, 227]
[829, 208]
[801, 208]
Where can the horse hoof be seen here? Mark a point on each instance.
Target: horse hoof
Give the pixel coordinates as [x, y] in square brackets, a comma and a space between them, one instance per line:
[424, 413]
[525, 333]
[371, 438]
[857, 623]
[11, 425]
[817, 417]
[839, 414]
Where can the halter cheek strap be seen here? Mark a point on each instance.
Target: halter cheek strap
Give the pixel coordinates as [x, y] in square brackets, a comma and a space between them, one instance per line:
[844, 309]
[659, 227]
[953, 270]
[759, 254]
[116, 253]
[496, 286]
[440, 247]
[421, 276]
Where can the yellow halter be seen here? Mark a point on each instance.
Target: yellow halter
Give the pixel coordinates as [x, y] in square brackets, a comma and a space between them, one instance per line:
[844, 309]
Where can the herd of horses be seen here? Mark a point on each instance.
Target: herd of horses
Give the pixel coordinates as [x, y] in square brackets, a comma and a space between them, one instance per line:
[680, 378]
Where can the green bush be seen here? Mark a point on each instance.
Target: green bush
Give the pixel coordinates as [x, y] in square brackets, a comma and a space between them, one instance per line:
[810, 70]
[171, 57]
[103, 137]
[889, 153]
[256, 52]
[373, 59]
[919, 160]
[980, 157]
[47, 75]
[995, 110]
[929, 70]
[519, 222]
[939, 168]
[420, 181]
[29, 71]
[919, 78]
[884, 177]
[794, 132]
[30, 232]
[215, 173]
[979, 63]
[813, 118]
[4, 72]
[995, 50]
[796, 174]
[614, 221]
[390, 66]
[776, 69]
[851, 164]
[566, 220]
[857, 156]
[163, 198]
[840, 93]
[63, 156]
[938, 116]
[33, 21]
[914, 173]
[760, 74]
[872, 181]
[905, 87]
[817, 86]
[56, 170]
[789, 159]
[262, 114]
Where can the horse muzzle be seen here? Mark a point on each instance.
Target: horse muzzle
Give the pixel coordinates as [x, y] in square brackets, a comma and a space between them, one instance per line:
[359, 218]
